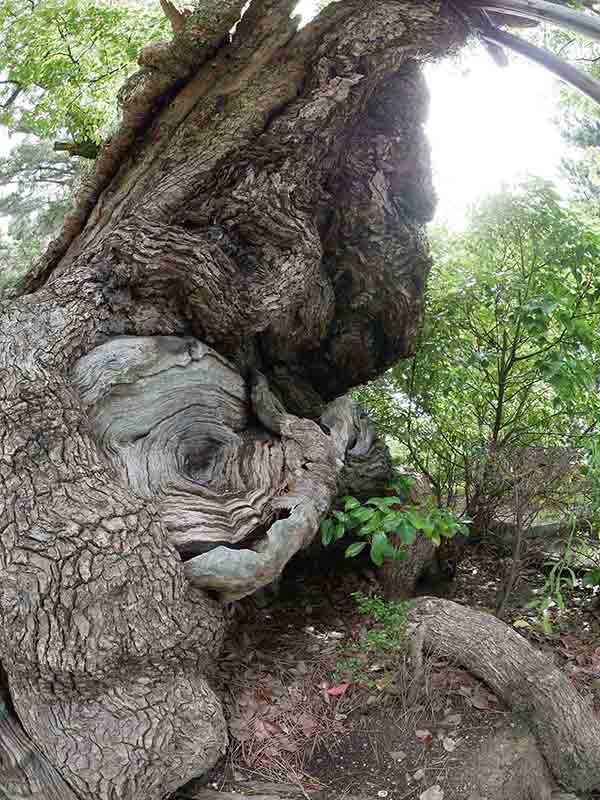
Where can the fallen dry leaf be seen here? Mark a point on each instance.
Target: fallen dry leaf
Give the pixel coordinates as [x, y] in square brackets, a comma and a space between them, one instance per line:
[433, 793]
[426, 737]
[419, 775]
[398, 755]
[449, 744]
[338, 691]
[260, 730]
[307, 724]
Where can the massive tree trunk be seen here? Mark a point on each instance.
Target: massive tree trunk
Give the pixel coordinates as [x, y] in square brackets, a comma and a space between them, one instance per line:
[249, 248]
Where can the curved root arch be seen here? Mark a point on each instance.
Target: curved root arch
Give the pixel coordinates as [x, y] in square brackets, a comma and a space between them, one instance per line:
[566, 729]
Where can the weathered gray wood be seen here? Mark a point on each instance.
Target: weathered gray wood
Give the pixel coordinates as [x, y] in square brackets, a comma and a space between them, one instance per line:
[567, 731]
[172, 416]
[25, 774]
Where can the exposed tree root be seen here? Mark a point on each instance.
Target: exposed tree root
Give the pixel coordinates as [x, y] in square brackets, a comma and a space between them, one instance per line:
[566, 729]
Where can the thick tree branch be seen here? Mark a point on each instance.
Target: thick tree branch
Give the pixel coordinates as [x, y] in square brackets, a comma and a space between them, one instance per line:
[580, 80]
[176, 18]
[545, 12]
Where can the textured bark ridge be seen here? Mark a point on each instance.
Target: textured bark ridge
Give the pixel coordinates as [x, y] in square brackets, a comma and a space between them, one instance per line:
[277, 199]
[249, 247]
[239, 483]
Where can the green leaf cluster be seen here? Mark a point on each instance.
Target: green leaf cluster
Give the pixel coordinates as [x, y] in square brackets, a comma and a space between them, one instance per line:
[63, 61]
[385, 639]
[386, 524]
[36, 185]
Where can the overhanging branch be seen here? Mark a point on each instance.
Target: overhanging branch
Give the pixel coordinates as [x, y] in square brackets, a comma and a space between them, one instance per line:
[545, 12]
[585, 83]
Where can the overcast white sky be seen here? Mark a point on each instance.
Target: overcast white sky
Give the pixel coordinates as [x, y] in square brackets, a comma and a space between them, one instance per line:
[487, 126]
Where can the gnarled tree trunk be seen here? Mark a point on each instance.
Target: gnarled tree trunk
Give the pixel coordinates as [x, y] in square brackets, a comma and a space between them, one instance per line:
[249, 247]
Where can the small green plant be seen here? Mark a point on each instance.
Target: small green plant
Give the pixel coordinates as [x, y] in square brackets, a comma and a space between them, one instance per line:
[390, 619]
[560, 578]
[374, 521]
[581, 556]
[592, 473]
[384, 639]
[354, 669]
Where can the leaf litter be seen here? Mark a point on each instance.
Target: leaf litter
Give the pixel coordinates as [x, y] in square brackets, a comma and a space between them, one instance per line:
[290, 721]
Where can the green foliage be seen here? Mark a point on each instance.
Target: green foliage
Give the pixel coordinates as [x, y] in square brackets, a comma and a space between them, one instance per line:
[560, 578]
[578, 557]
[37, 186]
[63, 62]
[583, 168]
[61, 65]
[579, 50]
[383, 639]
[592, 473]
[509, 354]
[380, 518]
[390, 617]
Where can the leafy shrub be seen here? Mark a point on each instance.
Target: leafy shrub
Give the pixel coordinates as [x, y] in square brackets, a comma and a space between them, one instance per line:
[592, 473]
[380, 517]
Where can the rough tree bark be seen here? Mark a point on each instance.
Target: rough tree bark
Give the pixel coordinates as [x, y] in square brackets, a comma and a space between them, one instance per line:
[249, 247]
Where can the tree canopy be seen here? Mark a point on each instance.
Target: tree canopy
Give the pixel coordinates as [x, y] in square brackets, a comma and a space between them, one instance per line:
[63, 61]
[509, 354]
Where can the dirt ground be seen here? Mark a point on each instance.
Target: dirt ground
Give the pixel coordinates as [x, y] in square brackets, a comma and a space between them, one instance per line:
[307, 708]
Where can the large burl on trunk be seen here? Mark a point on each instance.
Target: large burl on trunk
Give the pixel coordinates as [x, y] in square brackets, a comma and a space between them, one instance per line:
[249, 247]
